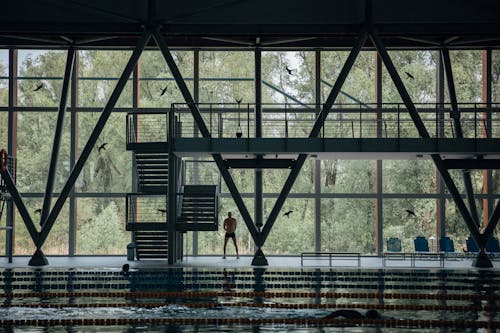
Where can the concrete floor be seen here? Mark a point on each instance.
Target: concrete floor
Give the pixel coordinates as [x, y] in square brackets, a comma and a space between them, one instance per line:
[116, 262]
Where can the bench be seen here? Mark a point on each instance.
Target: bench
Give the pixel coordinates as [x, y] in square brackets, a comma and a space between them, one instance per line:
[428, 256]
[331, 257]
[9, 254]
[396, 256]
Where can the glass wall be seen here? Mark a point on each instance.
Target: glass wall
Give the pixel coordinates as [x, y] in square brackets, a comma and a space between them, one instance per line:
[347, 190]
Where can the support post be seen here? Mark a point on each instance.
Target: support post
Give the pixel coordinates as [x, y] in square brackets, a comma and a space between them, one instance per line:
[318, 124]
[49, 187]
[440, 187]
[196, 169]
[486, 116]
[317, 162]
[101, 122]
[259, 258]
[73, 205]
[379, 217]
[172, 192]
[424, 134]
[455, 114]
[11, 145]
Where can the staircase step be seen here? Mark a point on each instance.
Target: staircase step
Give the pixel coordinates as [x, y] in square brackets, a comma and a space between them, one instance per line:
[154, 156]
[149, 176]
[151, 161]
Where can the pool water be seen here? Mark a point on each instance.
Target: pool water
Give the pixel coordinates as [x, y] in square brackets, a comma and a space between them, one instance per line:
[247, 300]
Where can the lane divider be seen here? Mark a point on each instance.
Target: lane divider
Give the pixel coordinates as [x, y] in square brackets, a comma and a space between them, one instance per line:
[252, 294]
[414, 307]
[395, 323]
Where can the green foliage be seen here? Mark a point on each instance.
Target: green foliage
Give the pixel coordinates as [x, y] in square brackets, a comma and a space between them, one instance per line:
[348, 224]
[103, 233]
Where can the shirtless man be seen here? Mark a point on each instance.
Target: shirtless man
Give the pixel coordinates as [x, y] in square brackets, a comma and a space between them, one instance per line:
[230, 227]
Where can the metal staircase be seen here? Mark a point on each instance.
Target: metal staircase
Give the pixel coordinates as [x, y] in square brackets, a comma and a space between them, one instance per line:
[147, 210]
[199, 208]
[152, 172]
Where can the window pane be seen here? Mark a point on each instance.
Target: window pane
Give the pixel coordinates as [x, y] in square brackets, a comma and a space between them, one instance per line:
[212, 242]
[108, 169]
[40, 77]
[34, 148]
[4, 126]
[99, 72]
[348, 225]
[347, 176]
[409, 176]
[101, 226]
[456, 228]
[294, 233]
[419, 221]
[274, 179]
[4, 73]
[57, 241]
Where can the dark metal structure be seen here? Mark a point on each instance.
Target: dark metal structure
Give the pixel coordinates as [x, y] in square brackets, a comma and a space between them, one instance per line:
[258, 25]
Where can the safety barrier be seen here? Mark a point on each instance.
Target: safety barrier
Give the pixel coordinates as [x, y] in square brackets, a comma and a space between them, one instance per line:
[395, 323]
[297, 306]
[253, 294]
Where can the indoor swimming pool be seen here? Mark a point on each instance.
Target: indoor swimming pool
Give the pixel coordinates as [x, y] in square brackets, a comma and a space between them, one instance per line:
[187, 299]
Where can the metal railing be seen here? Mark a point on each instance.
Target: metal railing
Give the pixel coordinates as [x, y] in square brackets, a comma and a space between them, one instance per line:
[12, 167]
[358, 120]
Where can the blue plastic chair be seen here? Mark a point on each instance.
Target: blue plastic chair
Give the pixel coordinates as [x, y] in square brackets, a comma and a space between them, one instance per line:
[446, 244]
[421, 244]
[393, 244]
[471, 245]
[492, 245]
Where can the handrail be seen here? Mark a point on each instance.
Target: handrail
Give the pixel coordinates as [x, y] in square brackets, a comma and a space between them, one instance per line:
[346, 120]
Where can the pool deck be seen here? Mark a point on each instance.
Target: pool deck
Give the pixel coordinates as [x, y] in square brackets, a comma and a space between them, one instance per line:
[282, 262]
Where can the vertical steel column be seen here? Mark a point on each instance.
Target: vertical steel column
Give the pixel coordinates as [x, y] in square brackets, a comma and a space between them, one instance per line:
[73, 149]
[49, 187]
[206, 134]
[424, 134]
[196, 95]
[172, 191]
[136, 97]
[455, 114]
[11, 146]
[101, 122]
[440, 186]
[318, 124]
[486, 83]
[317, 162]
[258, 181]
[379, 213]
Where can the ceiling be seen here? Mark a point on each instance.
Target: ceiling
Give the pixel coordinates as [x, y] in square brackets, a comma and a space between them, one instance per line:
[243, 24]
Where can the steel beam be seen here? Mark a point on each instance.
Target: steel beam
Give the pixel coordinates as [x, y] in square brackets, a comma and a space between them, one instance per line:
[487, 117]
[206, 134]
[314, 133]
[455, 115]
[455, 112]
[379, 213]
[73, 205]
[445, 175]
[486, 164]
[16, 197]
[101, 122]
[259, 163]
[317, 162]
[258, 179]
[11, 144]
[492, 224]
[49, 187]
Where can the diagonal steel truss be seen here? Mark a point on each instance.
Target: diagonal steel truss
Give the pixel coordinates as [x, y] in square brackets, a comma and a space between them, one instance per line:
[480, 238]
